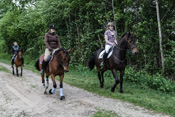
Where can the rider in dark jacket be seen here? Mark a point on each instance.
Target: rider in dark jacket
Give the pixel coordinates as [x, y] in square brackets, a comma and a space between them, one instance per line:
[15, 49]
[52, 43]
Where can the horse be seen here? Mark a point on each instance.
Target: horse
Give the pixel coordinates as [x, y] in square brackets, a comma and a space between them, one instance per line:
[18, 62]
[117, 61]
[57, 66]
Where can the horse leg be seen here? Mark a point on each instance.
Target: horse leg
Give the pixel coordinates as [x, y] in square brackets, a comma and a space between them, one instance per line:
[121, 80]
[17, 71]
[61, 87]
[116, 80]
[43, 82]
[51, 91]
[99, 77]
[21, 70]
[13, 70]
[47, 80]
[102, 74]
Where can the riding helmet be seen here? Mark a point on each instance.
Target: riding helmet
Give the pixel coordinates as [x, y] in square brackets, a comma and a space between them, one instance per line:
[52, 26]
[110, 24]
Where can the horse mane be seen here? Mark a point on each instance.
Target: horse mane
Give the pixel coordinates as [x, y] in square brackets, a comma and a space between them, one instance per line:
[126, 33]
[61, 49]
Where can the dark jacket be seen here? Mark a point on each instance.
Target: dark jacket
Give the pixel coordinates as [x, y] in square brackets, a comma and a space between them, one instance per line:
[52, 41]
[15, 49]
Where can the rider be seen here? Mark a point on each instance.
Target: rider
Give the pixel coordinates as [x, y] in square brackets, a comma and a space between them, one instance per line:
[15, 50]
[110, 39]
[52, 42]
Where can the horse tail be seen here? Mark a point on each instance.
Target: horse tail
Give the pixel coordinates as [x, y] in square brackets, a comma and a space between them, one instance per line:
[91, 62]
[37, 65]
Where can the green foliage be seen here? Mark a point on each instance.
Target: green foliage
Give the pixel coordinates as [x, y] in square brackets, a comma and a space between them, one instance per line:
[81, 25]
[157, 81]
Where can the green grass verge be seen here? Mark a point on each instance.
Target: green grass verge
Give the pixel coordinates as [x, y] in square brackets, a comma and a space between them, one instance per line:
[2, 68]
[137, 94]
[103, 113]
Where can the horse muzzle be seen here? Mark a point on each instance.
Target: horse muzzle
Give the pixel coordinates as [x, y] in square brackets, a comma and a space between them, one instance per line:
[135, 51]
[66, 69]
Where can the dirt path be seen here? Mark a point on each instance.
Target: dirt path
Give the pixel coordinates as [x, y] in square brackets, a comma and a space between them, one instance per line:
[22, 96]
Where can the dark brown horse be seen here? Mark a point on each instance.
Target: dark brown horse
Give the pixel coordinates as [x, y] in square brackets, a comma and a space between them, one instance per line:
[18, 63]
[117, 61]
[57, 66]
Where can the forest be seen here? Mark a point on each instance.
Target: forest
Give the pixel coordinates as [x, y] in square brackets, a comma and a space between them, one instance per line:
[81, 24]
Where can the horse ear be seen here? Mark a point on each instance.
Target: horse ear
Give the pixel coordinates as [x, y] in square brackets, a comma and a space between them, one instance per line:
[69, 50]
[129, 35]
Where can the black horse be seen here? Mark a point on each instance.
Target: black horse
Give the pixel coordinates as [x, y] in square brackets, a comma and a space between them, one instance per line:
[117, 61]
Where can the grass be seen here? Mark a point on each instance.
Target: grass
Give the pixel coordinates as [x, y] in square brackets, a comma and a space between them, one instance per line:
[103, 113]
[137, 94]
[2, 68]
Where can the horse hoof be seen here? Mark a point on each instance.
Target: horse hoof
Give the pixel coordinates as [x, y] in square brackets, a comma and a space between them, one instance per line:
[50, 91]
[62, 98]
[112, 89]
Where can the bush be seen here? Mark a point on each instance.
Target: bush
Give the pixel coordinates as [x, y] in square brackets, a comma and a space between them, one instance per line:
[157, 81]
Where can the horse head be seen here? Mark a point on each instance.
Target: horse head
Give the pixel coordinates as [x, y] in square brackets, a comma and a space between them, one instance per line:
[63, 58]
[130, 39]
[19, 54]
[131, 43]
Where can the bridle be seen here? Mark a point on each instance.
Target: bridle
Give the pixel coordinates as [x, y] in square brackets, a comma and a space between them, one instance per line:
[19, 56]
[131, 48]
[61, 63]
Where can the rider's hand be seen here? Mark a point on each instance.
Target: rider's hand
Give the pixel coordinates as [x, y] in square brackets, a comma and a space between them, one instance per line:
[113, 44]
[50, 49]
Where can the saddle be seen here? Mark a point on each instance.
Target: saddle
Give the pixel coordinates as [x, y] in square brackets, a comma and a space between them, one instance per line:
[50, 58]
[103, 51]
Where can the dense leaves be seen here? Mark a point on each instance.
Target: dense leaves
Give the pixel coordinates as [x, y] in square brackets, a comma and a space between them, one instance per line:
[81, 25]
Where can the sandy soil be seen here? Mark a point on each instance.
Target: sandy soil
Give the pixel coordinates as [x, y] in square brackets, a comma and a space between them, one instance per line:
[22, 96]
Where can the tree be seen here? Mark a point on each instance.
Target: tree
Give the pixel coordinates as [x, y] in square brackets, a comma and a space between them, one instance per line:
[160, 35]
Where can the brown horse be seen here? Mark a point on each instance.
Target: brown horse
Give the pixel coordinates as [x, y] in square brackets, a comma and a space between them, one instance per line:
[18, 63]
[57, 66]
[117, 61]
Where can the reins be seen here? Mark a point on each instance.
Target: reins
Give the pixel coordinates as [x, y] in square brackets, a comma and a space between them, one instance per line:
[122, 61]
[60, 62]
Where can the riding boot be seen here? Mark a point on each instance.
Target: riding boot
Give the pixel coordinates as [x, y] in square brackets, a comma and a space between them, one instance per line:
[104, 59]
[44, 64]
[13, 61]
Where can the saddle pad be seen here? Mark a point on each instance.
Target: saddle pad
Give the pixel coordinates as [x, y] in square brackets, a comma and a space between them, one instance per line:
[102, 53]
[50, 59]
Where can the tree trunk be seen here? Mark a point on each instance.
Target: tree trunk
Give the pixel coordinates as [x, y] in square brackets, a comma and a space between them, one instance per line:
[100, 41]
[160, 35]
